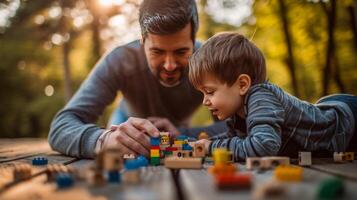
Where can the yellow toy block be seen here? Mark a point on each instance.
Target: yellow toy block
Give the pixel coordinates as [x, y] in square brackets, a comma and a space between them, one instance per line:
[154, 153]
[288, 173]
[179, 142]
[222, 155]
[222, 169]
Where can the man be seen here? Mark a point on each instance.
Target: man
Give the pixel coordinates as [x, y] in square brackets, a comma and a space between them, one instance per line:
[152, 76]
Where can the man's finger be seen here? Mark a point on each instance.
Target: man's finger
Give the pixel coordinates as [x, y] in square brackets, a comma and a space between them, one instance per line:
[144, 125]
[135, 134]
[130, 144]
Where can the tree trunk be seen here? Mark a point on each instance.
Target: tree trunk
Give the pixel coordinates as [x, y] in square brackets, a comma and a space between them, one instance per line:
[290, 59]
[66, 71]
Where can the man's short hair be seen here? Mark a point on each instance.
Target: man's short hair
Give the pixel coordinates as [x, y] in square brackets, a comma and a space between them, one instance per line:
[164, 17]
[226, 56]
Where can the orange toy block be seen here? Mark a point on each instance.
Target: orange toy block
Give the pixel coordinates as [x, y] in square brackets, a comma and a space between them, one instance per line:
[233, 181]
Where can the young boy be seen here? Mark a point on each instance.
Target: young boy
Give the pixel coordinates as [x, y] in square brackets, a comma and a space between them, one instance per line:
[265, 121]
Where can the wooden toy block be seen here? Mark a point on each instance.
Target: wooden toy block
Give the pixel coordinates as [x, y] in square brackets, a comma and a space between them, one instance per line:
[254, 163]
[165, 138]
[221, 155]
[113, 159]
[154, 153]
[348, 156]
[131, 176]
[129, 156]
[288, 173]
[199, 150]
[203, 135]
[270, 190]
[338, 156]
[233, 181]
[221, 168]
[274, 161]
[182, 153]
[22, 172]
[183, 163]
[305, 158]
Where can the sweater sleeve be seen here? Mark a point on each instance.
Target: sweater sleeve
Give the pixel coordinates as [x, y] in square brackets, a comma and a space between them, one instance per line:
[264, 118]
[73, 130]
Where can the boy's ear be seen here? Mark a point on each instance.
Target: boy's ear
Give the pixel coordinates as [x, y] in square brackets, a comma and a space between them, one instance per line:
[244, 82]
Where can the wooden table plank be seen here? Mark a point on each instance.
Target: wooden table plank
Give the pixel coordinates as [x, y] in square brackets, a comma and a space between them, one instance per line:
[198, 184]
[345, 170]
[157, 183]
[13, 149]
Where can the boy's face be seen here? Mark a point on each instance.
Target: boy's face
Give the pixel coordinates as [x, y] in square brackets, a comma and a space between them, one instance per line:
[167, 55]
[222, 100]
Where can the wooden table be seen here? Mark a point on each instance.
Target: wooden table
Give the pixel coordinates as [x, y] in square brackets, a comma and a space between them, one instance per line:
[156, 182]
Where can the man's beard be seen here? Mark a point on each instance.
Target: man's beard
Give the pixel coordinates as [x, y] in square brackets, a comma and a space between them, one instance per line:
[172, 82]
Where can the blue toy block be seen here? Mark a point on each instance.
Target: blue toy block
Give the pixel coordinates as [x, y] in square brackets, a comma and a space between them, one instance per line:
[114, 177]
[64, 180]
[187, 147]
[181, 137]
[142, 160]
[132, 164]
[155, 141]
[39, 161]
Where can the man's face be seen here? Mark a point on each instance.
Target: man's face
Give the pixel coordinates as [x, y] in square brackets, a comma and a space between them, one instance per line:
[168, 55]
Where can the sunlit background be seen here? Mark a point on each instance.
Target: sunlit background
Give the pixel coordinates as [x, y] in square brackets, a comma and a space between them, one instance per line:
[48, 47]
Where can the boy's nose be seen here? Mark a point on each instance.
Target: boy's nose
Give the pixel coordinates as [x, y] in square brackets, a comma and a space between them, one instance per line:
[205, 102]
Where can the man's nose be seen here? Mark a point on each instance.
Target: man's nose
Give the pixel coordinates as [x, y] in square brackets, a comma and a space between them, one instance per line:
[170, 63]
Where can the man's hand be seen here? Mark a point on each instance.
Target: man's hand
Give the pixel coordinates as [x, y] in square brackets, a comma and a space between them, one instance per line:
[206, 143]
[164, 124]
[132, 136]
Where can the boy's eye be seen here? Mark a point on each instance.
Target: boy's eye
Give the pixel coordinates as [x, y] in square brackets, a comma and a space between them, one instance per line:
[209, 92]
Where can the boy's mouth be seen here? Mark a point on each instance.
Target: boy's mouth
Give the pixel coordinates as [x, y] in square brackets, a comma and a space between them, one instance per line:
[214, 111]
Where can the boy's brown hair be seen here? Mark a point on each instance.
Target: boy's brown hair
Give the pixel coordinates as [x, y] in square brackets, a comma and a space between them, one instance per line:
[226, 56]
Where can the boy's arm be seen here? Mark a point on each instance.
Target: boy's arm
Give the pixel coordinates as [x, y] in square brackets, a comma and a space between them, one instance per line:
[264, 120]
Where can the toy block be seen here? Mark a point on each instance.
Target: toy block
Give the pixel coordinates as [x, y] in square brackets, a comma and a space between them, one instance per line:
[199, 150]
[182, 154]
[165, 138]
[142, 161]
[179, 142]
[338, 156]
[182, 138]
[233, 181]
[203, 135]
[183, 163]
[305, 158]
[270, 190]
[155, 141]
[254, 163]
[114, 176]
[129, 156]
[131, 176]
[274, 161]
[22, 172]
[113, 159]
[64, 180]
[171, 149]
[288, 173]
[332, 188]
[53, 170]
[155, 161]
[39, 161]
[154, 153]
[187, 147]
[164, 146]
[348, 156]
[222, 168]
[177, 146]
[222, 155]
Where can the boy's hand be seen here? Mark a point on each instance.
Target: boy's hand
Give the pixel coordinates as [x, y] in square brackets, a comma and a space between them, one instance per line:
[206, 143]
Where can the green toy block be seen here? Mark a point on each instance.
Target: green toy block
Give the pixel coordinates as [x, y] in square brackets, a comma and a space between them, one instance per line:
[155, 161]
[331, 188]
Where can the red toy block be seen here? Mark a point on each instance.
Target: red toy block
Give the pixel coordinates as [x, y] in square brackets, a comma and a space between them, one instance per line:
[155, 147]
[171, 149]
[233, 181]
